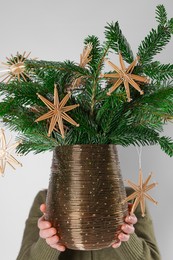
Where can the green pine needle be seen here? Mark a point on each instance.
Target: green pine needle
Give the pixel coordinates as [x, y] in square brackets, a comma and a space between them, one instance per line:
[161, 15]
[153, 44]
[159, 72]
[118, 42]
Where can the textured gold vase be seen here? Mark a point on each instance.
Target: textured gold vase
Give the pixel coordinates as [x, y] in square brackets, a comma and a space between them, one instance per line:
[85, 194]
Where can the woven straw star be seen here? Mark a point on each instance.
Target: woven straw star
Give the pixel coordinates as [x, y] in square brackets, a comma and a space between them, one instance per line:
[57, 112]
[140, 193]
[5, 155]
[85, 58]
[124, 75]
[15, 67]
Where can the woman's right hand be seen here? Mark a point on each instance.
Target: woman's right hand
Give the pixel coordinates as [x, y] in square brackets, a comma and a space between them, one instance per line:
[48, 232]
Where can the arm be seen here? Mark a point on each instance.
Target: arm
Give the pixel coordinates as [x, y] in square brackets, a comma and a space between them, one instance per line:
[33, 247]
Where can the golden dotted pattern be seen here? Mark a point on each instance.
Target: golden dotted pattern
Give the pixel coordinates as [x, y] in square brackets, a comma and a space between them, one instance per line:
[85, 194]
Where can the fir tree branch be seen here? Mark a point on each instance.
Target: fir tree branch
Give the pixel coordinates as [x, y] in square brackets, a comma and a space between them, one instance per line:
[170, 25]
[157, 39]
[36, 142]
[92, 84]
[143, 136]
[161, 15]
[159, 72]
[102, 119]
[67, 66]
[96, 52]
[151, 109]
[166, 144]
[95, 86]
[118, 42]
[153, 43]
[134, 135]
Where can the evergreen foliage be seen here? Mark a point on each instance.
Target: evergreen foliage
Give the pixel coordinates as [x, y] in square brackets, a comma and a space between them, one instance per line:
[161, 15]
[103, 119]
[157, 38]
[118, 42]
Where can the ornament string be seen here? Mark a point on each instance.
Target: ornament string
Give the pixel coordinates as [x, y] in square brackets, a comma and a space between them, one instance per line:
[139, 151]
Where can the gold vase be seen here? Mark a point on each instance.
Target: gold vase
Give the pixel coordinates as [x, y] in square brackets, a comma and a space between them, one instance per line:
[84, 199]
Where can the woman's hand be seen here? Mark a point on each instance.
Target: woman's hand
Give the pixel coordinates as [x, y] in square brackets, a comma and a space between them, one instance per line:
[48, 232]
[126, 229]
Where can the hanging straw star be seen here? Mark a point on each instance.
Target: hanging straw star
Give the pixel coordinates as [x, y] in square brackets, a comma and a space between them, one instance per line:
[124, 75]
[140, 193]
[5, 155]
[15, 67]
[57, 112]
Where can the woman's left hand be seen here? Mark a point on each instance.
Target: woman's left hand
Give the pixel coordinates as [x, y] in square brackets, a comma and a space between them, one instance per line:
[126, 230]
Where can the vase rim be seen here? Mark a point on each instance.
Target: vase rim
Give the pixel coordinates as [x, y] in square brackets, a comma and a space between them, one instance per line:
[84, 145]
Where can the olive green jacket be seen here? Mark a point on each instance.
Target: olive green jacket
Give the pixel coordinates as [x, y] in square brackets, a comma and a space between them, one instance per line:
[141, 245]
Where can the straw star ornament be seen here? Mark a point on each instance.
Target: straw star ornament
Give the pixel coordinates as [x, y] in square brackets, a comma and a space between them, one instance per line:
[124, 75]
[57, 112]
[140, 193]
[85, 58]
[5, 155]
[15, 67]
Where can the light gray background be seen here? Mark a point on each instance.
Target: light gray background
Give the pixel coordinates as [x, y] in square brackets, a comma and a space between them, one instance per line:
[54, 30]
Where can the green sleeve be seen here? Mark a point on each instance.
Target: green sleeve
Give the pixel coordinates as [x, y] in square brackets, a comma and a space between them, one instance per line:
[33, 247]
[142, 244]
